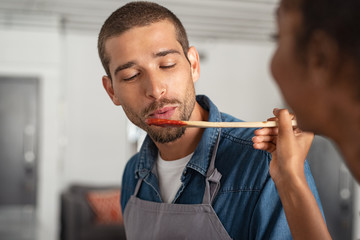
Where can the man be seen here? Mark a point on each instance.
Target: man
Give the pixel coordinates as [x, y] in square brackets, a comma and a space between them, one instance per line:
[184, 183]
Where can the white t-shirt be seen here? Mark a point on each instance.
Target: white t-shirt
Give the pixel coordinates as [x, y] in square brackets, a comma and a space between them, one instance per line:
[169, 174]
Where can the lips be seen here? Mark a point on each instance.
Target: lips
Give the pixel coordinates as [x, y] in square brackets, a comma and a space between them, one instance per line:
[163, 113]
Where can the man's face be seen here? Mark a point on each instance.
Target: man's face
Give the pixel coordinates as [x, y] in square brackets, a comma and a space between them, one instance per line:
[151, 78]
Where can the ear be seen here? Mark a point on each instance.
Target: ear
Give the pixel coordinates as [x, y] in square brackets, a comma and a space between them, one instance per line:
[193, 57]
[107, 83]
[323, 58]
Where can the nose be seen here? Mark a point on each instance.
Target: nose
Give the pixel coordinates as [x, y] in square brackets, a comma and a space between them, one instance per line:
[155, 86]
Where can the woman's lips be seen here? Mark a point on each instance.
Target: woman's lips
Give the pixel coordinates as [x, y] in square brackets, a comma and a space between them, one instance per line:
[163, 113]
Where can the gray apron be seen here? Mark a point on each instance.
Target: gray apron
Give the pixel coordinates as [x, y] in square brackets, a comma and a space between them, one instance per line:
[158, 221]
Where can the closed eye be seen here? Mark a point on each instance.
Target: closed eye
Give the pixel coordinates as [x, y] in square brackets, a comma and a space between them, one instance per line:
[131, 78]
[168, 66]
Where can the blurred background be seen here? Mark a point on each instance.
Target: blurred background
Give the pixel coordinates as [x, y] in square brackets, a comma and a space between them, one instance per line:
[59, 131]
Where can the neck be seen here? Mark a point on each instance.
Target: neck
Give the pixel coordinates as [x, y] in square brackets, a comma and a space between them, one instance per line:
[345, 131]
[349, 145]
[189, 140]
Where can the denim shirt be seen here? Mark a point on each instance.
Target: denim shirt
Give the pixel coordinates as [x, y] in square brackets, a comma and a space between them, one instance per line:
[247, 202]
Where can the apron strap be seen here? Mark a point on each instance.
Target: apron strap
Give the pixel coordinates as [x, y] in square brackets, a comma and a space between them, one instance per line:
[137, 187]
[213, 177]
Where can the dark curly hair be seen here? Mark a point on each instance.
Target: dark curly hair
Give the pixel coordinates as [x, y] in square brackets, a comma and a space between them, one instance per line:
[340, 19]
[137, 14]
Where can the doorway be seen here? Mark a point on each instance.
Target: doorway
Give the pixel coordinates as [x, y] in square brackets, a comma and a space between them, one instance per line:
[19, 132]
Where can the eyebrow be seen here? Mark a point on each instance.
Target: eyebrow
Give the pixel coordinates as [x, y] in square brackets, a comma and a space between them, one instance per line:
[123, 66]
[166, 52]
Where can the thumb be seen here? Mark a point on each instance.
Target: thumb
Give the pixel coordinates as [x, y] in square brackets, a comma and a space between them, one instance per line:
[284, 123]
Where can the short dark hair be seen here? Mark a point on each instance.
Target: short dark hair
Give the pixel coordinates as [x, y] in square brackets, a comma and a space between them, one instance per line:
[137, 14]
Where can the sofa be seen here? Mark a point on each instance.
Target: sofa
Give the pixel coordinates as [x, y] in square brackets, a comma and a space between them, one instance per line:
[79, 217]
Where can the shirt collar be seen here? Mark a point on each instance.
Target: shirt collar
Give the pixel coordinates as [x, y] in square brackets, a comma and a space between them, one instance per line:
[203, 152]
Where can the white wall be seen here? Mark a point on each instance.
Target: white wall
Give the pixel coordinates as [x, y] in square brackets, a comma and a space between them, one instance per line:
[236, 76]
[95, 130]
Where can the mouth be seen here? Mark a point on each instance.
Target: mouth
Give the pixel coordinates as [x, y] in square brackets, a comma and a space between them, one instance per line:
[163, 113]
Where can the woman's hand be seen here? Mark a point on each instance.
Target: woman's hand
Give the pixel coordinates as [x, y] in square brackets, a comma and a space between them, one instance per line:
[288, 146]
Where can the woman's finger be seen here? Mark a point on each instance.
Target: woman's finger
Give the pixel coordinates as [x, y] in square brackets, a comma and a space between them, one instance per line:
[265, 138]
[266, 131]
[272, 119]
[266, 146]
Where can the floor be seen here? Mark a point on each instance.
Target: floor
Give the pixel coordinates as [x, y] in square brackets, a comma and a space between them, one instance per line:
[18, 223]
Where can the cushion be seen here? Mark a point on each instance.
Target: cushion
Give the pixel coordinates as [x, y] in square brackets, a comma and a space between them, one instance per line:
[102, 232]
[106, 206]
